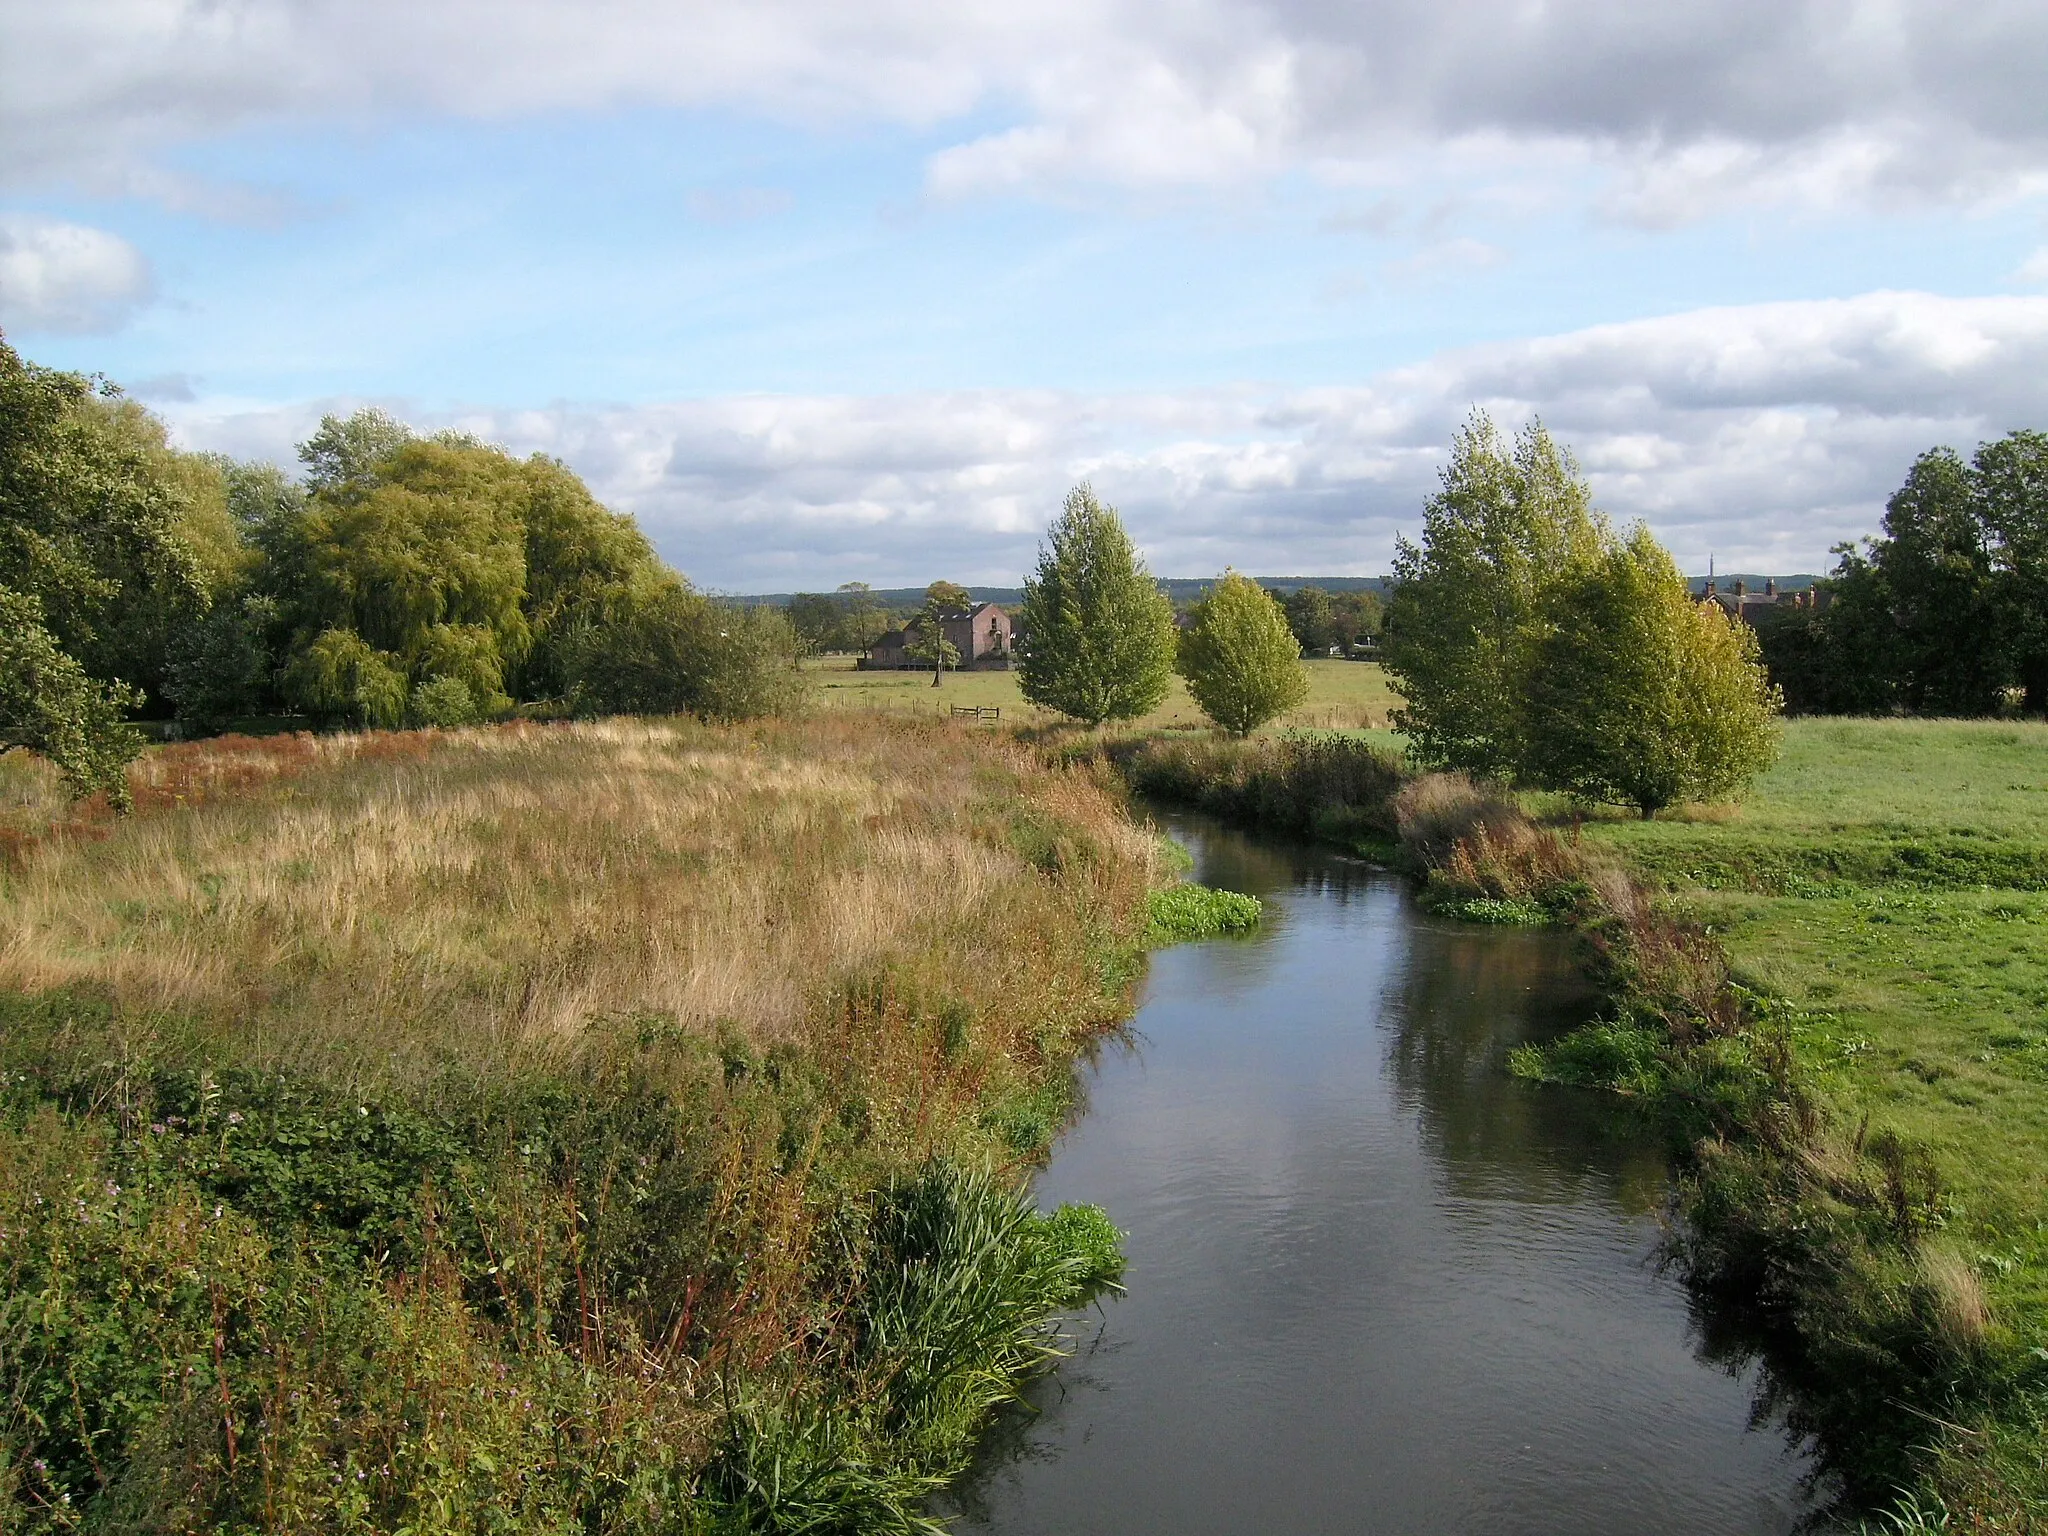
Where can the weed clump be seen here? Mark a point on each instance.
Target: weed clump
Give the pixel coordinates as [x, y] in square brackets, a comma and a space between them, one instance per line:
[1190, 911]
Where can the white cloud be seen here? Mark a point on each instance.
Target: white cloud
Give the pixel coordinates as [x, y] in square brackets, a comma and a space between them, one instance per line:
[1764, 434]
[64, 277]
[2035, 268]
[1689, 107]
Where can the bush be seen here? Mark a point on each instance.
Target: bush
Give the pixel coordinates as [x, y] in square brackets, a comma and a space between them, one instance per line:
[443, 701]
[670, 650]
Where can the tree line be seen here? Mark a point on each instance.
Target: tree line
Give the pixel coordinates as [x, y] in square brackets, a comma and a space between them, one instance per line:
[1945, 612]
[437, 580]
[407, 579]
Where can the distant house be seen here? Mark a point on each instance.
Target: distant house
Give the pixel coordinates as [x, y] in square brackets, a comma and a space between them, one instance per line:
[985, 638]
[1744, 606]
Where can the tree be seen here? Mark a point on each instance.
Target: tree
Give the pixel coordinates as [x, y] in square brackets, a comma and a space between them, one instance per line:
[1101, 635]
[818, 620]
[1947, 609]
[1240, 658]
[666, 649]
[346, 451]
[1640, 695]
[2011, 481]
[339, 679]
[866, 619]
[96, 514]
[948, 597]
[220, 666]
[1943, 647]
[1312, 619]
[928, 640]
[1471, 604]
[49, 704]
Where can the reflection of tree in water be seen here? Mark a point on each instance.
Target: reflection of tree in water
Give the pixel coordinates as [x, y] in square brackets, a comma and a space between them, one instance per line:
[1270, 866]
[1462, 999]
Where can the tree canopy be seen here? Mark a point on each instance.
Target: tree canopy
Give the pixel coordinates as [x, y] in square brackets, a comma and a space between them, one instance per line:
[1241, 660]
[1945, 612]
[1100, 632]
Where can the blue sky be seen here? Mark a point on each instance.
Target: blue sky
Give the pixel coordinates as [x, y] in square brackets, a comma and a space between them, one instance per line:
[823, 295]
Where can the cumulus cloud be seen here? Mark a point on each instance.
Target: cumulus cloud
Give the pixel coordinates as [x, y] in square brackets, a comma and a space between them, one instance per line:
[1762, 434]
[67, 278]
[1689, 106]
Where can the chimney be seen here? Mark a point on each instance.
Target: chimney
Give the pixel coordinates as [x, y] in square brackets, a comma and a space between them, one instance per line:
[1771, 588]
[1741, 587]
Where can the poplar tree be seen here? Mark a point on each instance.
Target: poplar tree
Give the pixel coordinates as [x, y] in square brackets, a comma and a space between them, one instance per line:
[1099, 633]
[1240, 658]
[1509, 523]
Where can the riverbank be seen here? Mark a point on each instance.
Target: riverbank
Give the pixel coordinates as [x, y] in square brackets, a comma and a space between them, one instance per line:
[1857, 1117]
[609, 1126]
[1883, 899]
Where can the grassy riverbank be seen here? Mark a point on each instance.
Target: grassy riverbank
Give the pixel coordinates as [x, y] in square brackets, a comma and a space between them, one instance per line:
[587, 1126]
[1885, 891]
[1833, 1000]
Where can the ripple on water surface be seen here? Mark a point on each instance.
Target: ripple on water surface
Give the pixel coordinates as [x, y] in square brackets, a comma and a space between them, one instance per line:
[1376, 1285]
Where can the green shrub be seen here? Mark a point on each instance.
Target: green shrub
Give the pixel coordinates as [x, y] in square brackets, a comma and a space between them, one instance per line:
[446, 702]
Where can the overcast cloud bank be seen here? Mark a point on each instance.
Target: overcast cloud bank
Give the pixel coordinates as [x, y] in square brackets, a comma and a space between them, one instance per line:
[1689, 107]
[1762, 435]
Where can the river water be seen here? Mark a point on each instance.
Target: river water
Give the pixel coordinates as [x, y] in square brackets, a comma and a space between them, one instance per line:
[1376, 1284]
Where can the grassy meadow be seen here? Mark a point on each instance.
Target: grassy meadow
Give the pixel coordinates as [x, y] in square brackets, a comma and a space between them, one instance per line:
[1343, 695]
[607, 1126]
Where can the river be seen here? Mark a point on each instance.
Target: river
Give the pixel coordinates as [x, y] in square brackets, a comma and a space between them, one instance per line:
[1376, 1284]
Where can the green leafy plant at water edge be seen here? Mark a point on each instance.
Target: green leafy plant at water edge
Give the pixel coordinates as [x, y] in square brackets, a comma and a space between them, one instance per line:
[1500, 911]
[1193, 911]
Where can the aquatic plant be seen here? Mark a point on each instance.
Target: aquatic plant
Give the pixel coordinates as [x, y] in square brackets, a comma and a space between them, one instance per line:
[1191, 911]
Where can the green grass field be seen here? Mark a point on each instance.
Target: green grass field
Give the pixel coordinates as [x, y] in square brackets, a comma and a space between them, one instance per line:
[1343, 695]
[1889, 878]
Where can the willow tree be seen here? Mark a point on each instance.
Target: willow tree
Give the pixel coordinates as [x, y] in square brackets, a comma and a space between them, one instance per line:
[1241, 657]
[1509, 524]
[1099, 635]
[1642, 696]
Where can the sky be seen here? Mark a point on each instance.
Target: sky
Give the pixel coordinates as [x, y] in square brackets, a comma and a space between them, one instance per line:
[856, 290]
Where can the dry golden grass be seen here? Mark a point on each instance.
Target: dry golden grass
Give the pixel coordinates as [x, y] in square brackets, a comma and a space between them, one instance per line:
[498, 890]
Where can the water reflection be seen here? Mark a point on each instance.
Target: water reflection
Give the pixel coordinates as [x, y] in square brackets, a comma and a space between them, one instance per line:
[1376, 1284]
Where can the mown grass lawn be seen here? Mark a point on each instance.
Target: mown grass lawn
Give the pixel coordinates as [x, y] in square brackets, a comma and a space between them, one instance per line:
[1889, 880]
[1343, 695]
